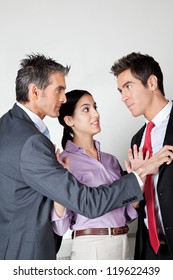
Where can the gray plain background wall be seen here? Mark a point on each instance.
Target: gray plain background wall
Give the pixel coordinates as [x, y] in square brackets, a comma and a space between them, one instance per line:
[89, 35]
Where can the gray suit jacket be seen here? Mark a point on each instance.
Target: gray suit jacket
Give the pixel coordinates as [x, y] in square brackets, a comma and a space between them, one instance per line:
[31, 178]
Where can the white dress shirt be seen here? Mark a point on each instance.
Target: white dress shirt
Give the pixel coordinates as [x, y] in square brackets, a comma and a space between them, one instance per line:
[157, 139]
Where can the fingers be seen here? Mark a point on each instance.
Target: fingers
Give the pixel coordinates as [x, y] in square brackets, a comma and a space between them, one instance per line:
[163, 156]
[130, 154]
[135, 157]
[168, 147]
[166, 155]
[66, 161]
[151, 165]
[140, 153]
[134, 154]
[58, 154]
[168, 161]
[135, 151]
[147, 155]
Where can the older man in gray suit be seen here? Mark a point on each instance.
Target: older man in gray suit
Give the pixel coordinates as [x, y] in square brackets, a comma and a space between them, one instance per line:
[30, 176]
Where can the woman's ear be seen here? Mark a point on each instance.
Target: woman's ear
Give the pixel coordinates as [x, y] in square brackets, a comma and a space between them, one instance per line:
[68, 120]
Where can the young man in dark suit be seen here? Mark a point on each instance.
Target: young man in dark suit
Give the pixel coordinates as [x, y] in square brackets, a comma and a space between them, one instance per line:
[140, 82]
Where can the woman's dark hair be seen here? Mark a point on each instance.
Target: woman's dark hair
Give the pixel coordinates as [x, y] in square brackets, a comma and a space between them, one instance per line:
[67, 109]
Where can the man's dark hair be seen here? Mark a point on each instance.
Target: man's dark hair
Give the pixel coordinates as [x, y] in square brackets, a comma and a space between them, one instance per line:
[141, 66]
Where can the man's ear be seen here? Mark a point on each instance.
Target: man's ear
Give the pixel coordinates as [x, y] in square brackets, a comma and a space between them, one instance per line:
[69, 120]
[33, 91]
[152, 82]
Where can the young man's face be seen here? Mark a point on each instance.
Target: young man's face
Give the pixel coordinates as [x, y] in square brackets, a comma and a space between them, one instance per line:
[136, 97]
[51, 98]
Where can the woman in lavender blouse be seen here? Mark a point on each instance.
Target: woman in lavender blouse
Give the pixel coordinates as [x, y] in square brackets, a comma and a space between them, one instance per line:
[104, 237]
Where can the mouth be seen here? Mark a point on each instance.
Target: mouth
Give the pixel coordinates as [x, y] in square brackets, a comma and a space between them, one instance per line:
[95, 123]
[130, 106]
[58, 107]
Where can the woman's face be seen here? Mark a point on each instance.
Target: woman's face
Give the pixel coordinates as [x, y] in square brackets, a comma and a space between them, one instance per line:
[85, 120]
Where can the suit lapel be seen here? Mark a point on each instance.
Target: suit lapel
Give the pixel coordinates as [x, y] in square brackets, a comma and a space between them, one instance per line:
[169, 131]
[168, 140]
[138, 136]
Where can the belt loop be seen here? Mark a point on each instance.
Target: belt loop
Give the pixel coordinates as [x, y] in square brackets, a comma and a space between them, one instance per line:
[109, 232]
[73, 235]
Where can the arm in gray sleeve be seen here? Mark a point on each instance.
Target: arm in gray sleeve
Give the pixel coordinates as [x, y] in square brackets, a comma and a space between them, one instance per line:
[44, 174]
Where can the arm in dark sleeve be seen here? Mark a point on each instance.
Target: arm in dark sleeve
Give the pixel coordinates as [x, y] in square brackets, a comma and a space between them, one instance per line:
[44, 174]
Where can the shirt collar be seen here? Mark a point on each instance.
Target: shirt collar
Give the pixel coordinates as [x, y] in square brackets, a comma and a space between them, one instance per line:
[35, 118]
[72, 147]
[162, 115]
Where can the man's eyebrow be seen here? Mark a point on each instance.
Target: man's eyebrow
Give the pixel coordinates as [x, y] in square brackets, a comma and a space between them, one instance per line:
[125, 84]
[60, 87]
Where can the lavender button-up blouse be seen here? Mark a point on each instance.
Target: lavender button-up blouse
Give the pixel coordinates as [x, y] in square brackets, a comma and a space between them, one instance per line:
[92, 173]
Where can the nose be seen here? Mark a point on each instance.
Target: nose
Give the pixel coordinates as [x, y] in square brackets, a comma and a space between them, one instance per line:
[95, 113]
[124, 96]
[63, 98]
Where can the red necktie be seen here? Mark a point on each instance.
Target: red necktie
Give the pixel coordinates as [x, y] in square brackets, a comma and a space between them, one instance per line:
[149, 194]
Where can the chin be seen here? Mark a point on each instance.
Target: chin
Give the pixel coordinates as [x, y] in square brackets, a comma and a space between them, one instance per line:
[98, 130]
[53, 115]
[136, 115]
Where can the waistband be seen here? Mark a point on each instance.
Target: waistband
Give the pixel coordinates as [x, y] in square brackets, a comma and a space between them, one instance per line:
[101, 231]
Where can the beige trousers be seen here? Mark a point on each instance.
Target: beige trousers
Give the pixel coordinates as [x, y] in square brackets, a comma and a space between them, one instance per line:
[100, 247]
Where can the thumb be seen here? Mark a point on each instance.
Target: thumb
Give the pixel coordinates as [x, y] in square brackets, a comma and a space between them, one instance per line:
[66, 160]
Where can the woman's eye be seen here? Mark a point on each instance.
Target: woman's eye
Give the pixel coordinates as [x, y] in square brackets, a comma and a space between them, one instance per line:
[86, 109]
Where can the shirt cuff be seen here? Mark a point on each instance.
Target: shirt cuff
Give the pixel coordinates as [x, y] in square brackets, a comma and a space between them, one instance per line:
[139, 179]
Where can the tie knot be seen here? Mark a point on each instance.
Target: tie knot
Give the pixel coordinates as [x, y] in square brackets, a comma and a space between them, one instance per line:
[46, 133]
[150, 126]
